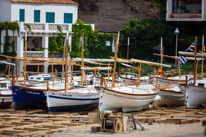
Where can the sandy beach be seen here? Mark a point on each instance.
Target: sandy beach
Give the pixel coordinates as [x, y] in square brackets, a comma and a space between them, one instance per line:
[154, 130]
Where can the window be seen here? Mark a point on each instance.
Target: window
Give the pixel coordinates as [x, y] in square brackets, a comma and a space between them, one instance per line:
[38, 78]
[68, 17]
[36, 15]
[47, 78]
[21, 15]
[187, 6]
[50, 17]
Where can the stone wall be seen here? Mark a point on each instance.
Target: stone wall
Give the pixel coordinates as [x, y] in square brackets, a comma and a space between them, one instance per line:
[110, 15]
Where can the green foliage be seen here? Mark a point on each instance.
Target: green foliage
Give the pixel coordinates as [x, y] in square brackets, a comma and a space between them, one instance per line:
[9, 48]
[94, 43]
[143, 35]
[60, 39]
[189, 67]
[53, 46]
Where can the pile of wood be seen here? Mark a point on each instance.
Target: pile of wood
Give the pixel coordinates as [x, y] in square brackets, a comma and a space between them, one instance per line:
[178, 115]
[37, 122]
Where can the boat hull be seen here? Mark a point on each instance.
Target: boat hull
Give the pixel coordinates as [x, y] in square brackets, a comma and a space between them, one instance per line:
[70, 102]
[25, 98]
[114, 101]
[169, 98]
[195, 96]
[5, 101]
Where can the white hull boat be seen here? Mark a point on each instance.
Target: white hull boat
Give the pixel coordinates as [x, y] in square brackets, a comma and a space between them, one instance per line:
[171, 80]
[73, 100]
[170, 96]
[195, 96]
[126, 99]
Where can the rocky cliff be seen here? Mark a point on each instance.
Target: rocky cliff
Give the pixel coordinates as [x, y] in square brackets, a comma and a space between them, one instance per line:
[110, 15]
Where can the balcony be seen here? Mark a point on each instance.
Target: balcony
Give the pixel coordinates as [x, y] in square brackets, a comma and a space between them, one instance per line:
[185, 10]
[40, 54]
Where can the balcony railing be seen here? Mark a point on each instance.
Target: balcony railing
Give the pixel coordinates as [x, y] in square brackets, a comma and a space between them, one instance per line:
[40, 54]
[185, 15]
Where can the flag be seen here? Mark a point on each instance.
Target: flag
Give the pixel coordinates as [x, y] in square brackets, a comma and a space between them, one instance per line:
[161, 72]
[183, 60]
[194, 44]
[189, 49]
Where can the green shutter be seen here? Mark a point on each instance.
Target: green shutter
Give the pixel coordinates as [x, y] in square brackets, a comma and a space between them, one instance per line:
[68, 17]
[50, 17]
[21, 15]
[36, 15]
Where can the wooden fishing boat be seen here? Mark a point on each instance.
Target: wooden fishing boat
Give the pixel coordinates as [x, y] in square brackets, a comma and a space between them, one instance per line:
[195, 92]
[130, 98]
[127, 98]
[73, 100]
[195, 95]
[170, 96]
[5, 93]
[164, 82]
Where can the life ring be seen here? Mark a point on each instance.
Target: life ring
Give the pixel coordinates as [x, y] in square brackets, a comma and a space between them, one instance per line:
[158, 86]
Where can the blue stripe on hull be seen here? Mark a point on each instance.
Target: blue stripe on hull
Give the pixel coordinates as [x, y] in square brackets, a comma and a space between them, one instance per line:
[28, 99]
[74, 108]
[73, 98]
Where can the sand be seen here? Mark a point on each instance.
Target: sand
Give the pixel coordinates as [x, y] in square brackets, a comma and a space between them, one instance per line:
[154, 130]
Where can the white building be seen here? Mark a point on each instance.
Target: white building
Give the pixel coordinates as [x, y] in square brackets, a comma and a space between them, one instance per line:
[186, 10]
[43, 16]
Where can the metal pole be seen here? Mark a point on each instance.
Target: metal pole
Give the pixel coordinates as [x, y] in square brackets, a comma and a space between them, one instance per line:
[127, 55]
[176, 50]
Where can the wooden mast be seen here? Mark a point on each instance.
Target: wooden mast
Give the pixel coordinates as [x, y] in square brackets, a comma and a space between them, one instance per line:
[52, 74]
[66, 63]
[127, 55]
[25, 54]
[82, 71]
[195, 69]
[115, 60]
[202, 56]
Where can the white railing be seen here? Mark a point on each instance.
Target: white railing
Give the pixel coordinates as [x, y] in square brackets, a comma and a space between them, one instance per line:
[45, 27]
[40, 54]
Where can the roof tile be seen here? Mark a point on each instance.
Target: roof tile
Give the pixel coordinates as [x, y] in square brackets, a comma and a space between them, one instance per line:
[46, 1]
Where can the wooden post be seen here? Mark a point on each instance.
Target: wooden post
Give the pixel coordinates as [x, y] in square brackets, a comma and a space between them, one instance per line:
[99, 66]
[108, 73]
[179, 66]
[82, 71]
[161, 56]
[157, 77]
[195, 69]
[115, 60]
[25, 58]
[72, 71]
[127, 55]
[202, 56]
[52, 74]
[38, 68]
[9, 71]
[16, 74]
[140, 65]
[66, 64]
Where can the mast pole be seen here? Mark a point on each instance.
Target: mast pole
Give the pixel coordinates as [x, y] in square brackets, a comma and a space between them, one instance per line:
[127, 55]
[66, 64]
[161, 55]
[195, 69]
[115, 60]
[82, 71]
[25, 54]
[202, 56]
